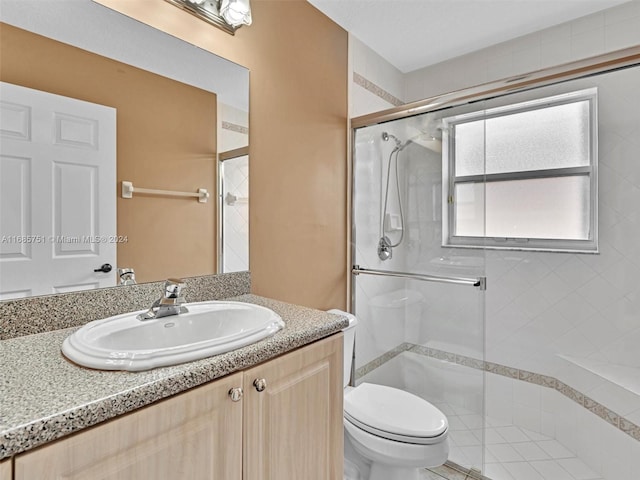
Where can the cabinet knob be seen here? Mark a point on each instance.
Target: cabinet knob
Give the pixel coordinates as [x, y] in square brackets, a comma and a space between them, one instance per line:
[260, 384]
[235, 394]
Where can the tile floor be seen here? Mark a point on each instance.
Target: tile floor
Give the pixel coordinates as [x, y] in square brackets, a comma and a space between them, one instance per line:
[511, 453]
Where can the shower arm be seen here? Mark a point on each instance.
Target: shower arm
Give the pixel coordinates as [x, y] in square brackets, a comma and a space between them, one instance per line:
[479, 282]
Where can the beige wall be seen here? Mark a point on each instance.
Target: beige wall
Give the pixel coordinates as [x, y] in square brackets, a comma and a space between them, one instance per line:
[298, 140]
[162, 142]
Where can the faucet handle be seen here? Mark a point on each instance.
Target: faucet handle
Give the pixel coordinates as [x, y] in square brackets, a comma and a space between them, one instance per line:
[173, 287]
[127, 276]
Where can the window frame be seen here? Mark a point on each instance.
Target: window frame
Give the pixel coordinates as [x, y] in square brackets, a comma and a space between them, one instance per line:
[449, 179]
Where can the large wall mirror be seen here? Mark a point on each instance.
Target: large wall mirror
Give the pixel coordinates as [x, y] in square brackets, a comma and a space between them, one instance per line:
[91, 99]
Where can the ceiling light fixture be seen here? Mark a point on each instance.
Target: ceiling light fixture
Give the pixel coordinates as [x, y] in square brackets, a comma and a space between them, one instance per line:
[236, 12]
[228, 15]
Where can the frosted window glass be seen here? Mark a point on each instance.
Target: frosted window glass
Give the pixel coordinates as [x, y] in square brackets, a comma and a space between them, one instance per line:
[469, 209]
[541, 139]
[469, 148]
[542, 208]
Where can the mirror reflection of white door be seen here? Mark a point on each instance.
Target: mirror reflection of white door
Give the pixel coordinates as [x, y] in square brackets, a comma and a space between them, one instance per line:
[57, 193]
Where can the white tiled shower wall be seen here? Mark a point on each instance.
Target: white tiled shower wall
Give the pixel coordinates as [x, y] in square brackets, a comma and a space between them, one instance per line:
[385, 90]
[369, 65]
[607, 450]
[543, 304]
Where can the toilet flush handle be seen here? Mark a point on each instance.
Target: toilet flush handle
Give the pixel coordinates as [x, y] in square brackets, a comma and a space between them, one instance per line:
[260, 384]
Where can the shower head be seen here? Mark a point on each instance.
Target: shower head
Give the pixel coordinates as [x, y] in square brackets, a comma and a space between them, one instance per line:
[399, 145]
[431, 142]
[386, 136]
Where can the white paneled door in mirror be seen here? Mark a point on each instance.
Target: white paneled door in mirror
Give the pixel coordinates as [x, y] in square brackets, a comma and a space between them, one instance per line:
[57, 200]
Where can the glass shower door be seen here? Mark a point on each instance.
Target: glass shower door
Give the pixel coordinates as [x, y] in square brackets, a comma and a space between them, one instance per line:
[420, 305]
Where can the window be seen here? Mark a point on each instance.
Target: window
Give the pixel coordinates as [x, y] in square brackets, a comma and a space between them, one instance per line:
[523, 176]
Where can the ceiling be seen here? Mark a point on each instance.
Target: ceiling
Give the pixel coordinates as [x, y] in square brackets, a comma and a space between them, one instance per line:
[411, 34]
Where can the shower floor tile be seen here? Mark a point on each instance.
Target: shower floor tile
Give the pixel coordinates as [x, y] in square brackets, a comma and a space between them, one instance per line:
[510, 453]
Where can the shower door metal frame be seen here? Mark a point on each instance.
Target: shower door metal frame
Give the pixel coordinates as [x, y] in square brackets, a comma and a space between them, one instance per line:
[627, 57]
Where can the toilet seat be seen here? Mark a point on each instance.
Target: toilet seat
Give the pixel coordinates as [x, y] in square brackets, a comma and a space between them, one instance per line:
[394, 414]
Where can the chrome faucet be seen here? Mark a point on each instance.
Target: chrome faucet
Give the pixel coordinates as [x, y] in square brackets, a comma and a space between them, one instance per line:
[171, 302]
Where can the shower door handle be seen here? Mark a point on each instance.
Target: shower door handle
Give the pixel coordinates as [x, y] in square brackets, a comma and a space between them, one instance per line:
[479, 282]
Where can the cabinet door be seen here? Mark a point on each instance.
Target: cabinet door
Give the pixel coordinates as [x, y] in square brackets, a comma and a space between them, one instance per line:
[293, 428]
[195, 436]
[5, 470]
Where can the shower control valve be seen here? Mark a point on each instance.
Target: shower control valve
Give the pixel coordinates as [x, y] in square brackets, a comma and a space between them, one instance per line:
[384, 249]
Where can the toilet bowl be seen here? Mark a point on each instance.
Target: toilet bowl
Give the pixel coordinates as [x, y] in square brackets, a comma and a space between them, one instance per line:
[389, 434]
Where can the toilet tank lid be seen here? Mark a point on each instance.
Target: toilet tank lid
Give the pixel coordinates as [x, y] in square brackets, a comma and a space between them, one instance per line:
[395, 411]
[353, 321]
[397, 299]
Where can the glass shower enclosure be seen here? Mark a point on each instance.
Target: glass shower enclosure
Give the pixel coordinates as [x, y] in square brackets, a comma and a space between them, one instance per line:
[532, 182]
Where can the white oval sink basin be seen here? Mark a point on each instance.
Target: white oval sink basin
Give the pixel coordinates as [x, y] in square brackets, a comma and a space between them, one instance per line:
[124, 342]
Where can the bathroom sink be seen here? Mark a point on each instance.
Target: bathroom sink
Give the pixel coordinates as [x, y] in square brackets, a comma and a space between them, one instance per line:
[124, 342]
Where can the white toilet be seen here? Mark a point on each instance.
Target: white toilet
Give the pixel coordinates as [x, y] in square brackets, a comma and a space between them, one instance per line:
[389, 434]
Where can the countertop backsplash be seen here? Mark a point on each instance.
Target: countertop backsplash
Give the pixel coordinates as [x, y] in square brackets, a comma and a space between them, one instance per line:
[27, 316]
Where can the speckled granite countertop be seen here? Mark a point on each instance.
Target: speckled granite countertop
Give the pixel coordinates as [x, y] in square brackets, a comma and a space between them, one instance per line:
[44, 397]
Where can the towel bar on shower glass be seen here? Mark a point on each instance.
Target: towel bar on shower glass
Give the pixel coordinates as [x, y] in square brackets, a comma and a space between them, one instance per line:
[479, 282]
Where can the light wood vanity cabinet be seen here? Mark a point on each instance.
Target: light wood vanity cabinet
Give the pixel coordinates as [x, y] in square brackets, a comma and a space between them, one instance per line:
[292, 429]
[190, 436]
[5, 470]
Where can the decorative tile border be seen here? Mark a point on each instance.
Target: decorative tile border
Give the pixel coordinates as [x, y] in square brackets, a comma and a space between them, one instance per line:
[27, 316]
[376, 90]
[546, 381]
[603, 412]
[500, 370]
[382, 359]
[234, 127]
[570, 393]
[630, 428]
[538, 379]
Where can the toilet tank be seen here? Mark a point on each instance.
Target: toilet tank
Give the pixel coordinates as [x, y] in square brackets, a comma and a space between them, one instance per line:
[394, 318]
[349, 341]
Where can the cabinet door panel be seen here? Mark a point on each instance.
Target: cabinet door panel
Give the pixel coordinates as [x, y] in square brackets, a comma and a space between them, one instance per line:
[293, 428]
[5, 470]
[195, 435]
